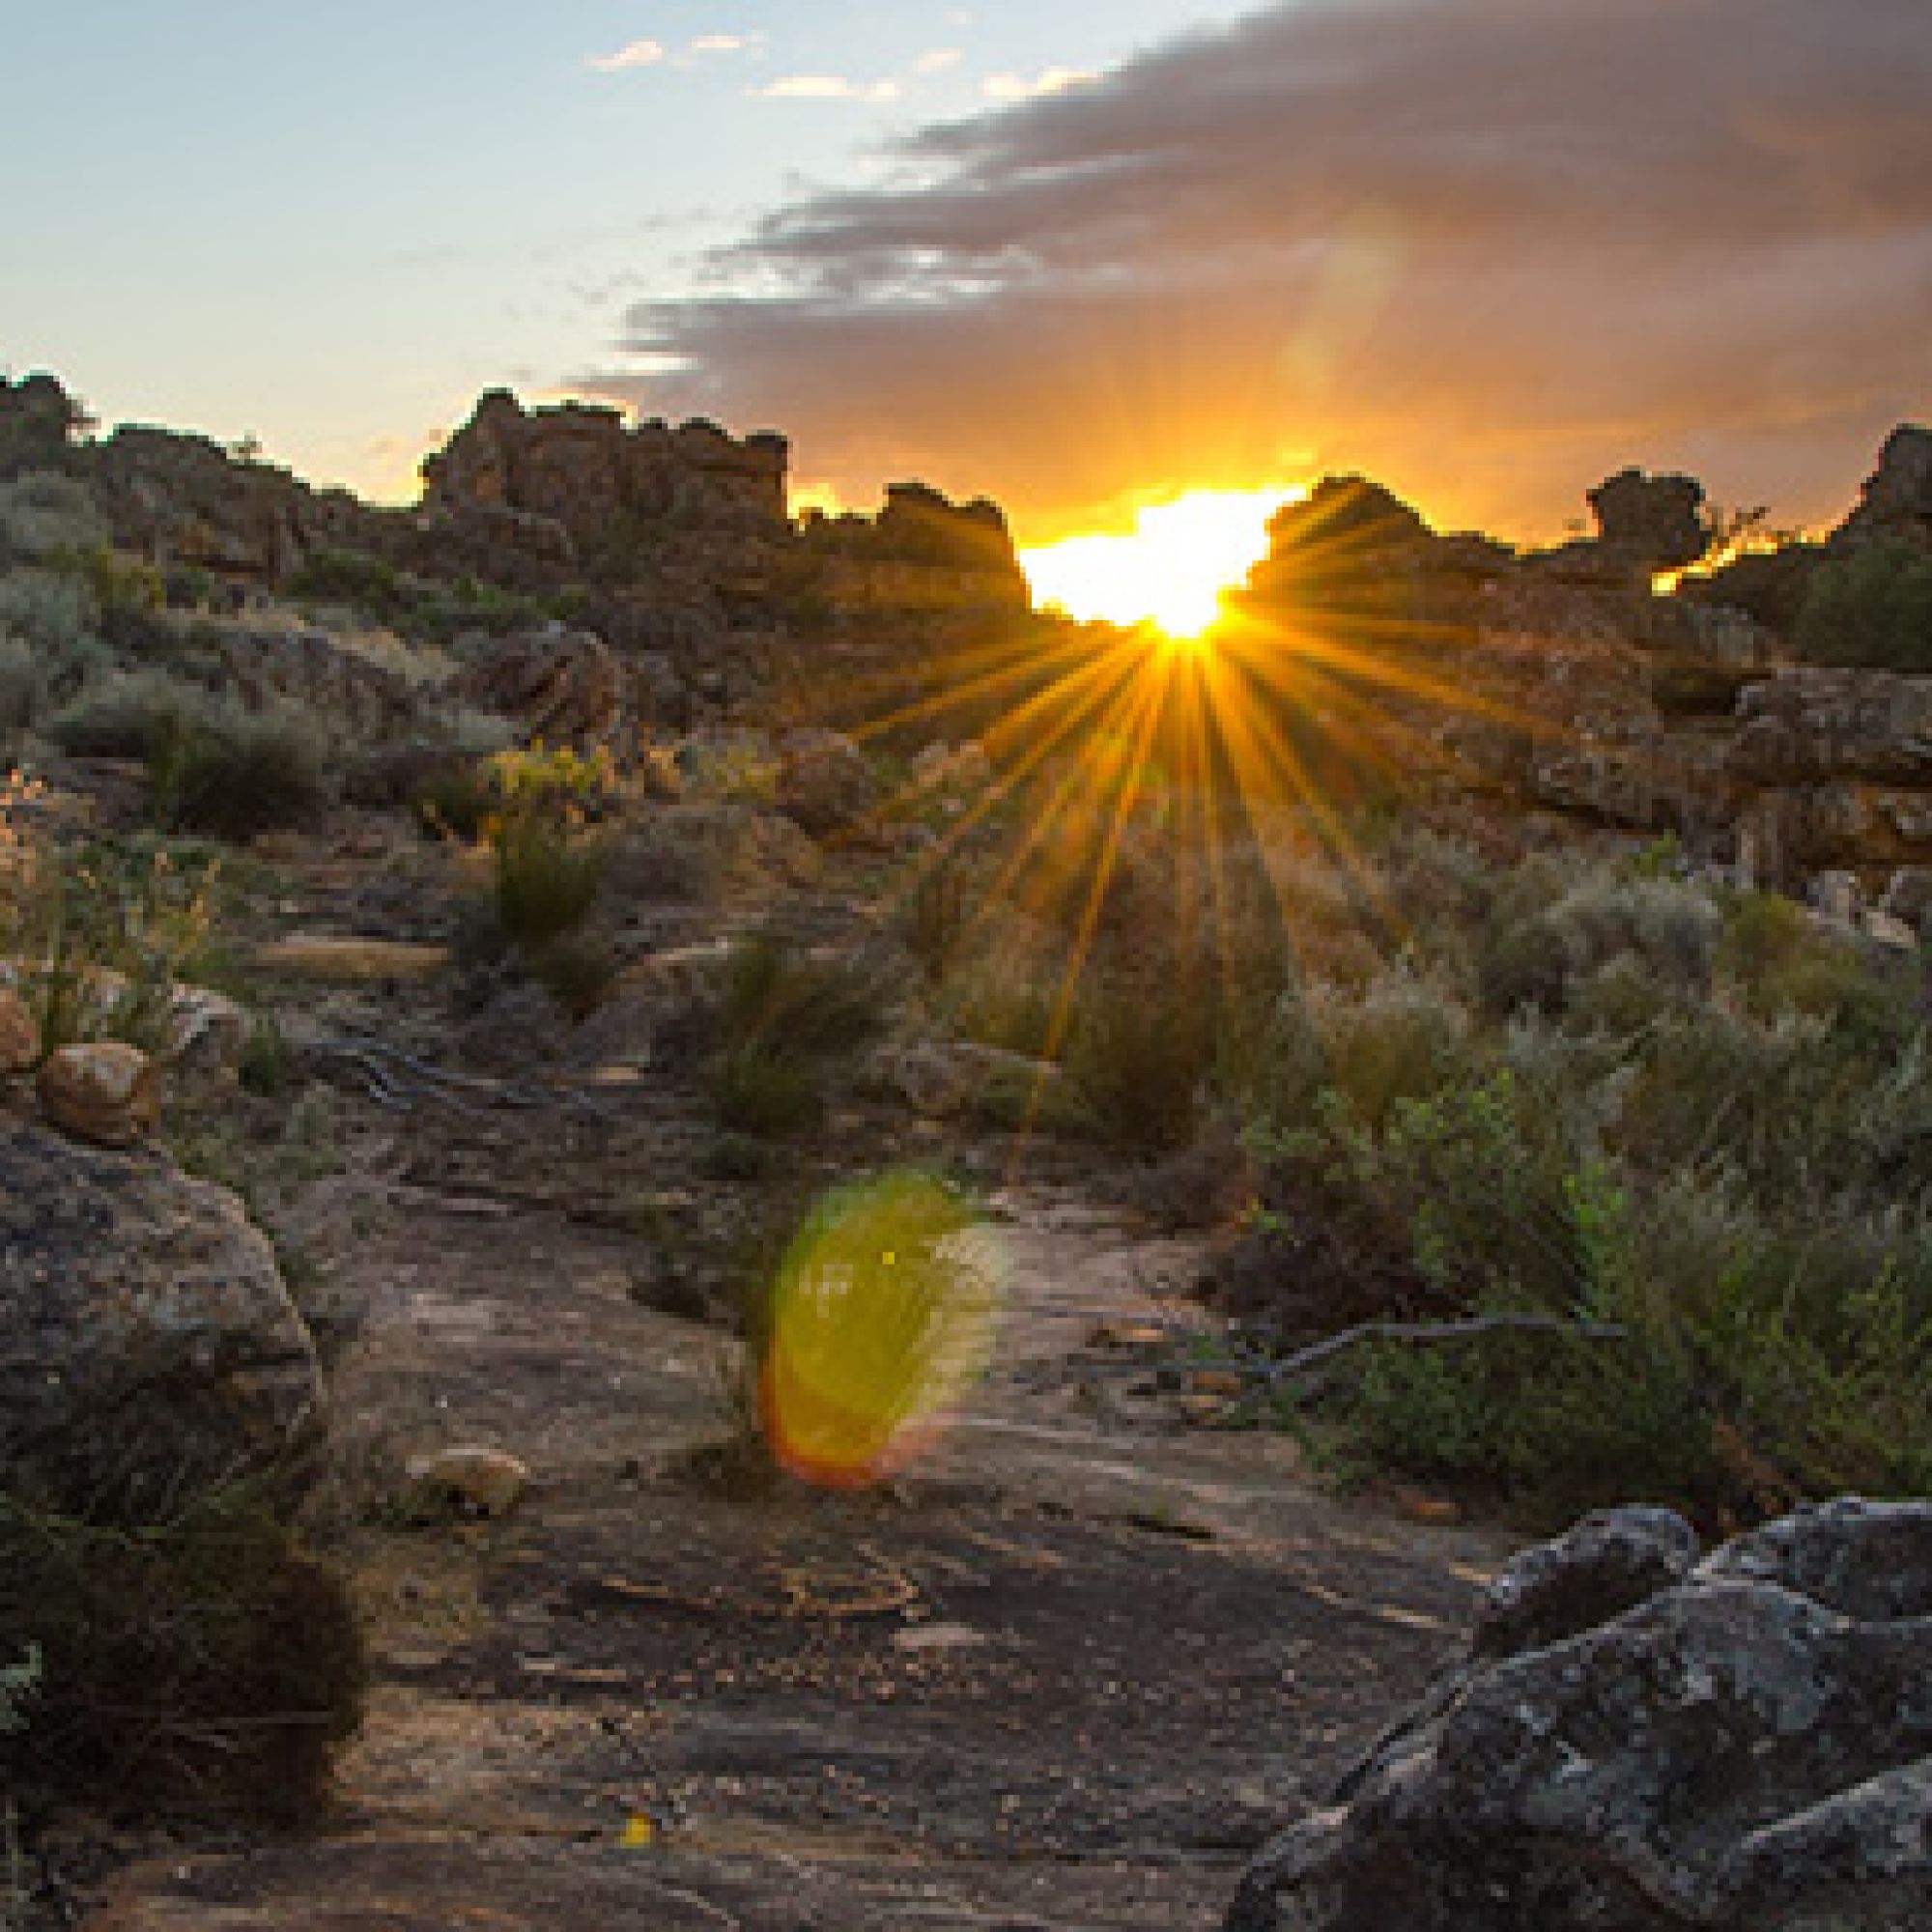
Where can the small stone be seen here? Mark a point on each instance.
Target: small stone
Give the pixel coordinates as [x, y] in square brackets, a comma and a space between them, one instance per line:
[20, 1035]
[469, 1480]
[105, 1091]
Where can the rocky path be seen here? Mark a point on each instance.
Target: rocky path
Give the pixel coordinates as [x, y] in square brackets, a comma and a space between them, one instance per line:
[1066, 1673]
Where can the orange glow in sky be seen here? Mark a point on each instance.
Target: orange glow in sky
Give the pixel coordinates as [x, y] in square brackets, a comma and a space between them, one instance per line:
[1169, 570]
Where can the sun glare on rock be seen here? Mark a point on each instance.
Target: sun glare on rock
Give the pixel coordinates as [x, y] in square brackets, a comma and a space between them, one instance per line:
[1170, 570]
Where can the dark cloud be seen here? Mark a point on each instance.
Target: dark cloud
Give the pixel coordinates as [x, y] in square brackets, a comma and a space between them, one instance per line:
[1487, 249]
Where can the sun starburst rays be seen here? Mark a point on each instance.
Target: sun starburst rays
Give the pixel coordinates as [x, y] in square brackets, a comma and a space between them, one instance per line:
[1242, 755]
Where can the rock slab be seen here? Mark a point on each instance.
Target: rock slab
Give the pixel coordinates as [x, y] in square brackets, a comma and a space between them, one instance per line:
[1744, 1741]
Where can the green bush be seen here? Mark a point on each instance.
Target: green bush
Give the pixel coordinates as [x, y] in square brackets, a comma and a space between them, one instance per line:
[355, 578]
[1138, 1054]
[780, 1000]
[127, 715]
[547, 876]
[767, 1092]
[233, 773]
[1873, 608]
[104, 934]
[209, 1660]
[22, 690]
[457, 800]
[578, 973]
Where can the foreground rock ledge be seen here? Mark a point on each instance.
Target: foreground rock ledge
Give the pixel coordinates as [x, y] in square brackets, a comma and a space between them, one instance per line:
[1744, 1741]
[148, 1346]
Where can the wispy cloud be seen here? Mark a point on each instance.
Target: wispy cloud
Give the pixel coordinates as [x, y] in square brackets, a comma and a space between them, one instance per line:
[827, 87]
[634, 54]
[1489, 250]
[1053, 80]
[938, 60]
[726, 43]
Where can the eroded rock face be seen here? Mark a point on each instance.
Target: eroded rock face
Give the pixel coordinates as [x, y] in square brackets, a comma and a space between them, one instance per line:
[1743, 1744]
[1653, 522]
[582, 468]
[1897, 496]
[148, 1347]
[559, 685]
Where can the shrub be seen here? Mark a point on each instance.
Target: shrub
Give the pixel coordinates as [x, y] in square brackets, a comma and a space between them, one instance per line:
[1403, 1039]
[1138, 1052]
[20, 686]
[233, 773]
[546, 877]
[788, 1003]
[767, 1092]
[127, 715]
[206, 1661]
[934, 917]
[577, 973]
[42, 513]
[106, 934]
[54, 616]
[559, 781]
[1873, 608]
[355, 578]
[457, 799]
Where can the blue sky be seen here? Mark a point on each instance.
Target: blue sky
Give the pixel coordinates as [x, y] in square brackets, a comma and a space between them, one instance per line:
[1487, 251]
[331, 227]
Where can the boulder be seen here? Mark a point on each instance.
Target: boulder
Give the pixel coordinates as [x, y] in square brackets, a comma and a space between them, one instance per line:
[1645, 1742]
[1907, 895]
[103, 1091]
[1653, 522]
[824, 783]
[557, 686]
[20, 1035]
[1811, 724]
[148, 1347]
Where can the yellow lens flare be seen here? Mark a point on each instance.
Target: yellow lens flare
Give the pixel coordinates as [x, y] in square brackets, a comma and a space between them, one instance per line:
[883, 1316]
[1168, 570]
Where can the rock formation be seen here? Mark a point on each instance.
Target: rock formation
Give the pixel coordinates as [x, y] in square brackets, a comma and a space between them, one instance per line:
[922, 553]
[1643, 1740]
[581, 468]
[148, 1347]
[559, 685]
[1650, 522]
[1896, 501]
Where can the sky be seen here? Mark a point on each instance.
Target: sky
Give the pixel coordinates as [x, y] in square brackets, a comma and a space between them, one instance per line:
[1078, 257]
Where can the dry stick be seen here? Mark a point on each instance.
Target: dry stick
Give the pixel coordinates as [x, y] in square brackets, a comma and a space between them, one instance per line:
[1304, 1359]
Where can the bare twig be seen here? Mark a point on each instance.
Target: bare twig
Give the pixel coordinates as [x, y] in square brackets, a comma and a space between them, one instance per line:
[1313, 1356]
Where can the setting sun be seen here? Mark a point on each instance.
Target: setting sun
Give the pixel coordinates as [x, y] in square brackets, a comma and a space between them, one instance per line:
[1170, 570]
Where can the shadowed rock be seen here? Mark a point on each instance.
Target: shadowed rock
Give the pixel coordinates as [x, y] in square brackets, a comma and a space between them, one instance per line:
[1640, 1744]
[147, 1347]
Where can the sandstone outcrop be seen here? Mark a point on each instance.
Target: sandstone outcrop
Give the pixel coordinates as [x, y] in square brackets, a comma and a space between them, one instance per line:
[583, 469]
[1651, 1742]
[1896, 501]
[560, 686]
[1650, 522]
[148, 1347]
[922, 553]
